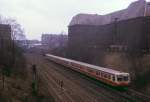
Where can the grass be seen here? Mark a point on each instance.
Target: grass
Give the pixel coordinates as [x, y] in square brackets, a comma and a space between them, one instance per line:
[142, 80]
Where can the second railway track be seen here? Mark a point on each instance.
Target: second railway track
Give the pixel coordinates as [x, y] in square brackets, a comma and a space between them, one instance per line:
[110, 93]
[77, 87]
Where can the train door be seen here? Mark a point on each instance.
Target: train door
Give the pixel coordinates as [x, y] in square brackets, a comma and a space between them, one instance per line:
[113, 78]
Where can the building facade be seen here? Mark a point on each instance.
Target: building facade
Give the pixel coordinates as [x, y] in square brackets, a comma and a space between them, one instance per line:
[54, 40]
[5, 31]
[127, 30]
[5, 35]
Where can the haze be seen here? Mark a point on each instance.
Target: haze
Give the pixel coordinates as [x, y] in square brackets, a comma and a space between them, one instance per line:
[53, 16]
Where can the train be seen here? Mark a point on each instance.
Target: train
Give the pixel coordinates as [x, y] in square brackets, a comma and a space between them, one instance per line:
[106, 75]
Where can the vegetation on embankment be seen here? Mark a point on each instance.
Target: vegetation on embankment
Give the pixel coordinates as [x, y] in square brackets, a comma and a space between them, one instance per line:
[17, 89]
[137, 66]
[16, 78]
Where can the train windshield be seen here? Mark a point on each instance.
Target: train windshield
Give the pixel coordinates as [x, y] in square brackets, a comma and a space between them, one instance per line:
[125, 78]
[122, 78]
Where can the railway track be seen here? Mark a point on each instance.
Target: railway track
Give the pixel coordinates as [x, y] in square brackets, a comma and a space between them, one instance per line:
[127, 96]
[138, 95]
[48, 80]
[91, 88]
[77, 87]
[72, 89]
[61, 95]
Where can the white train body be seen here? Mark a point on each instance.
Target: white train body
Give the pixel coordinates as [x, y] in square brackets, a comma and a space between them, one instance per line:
[106, 75]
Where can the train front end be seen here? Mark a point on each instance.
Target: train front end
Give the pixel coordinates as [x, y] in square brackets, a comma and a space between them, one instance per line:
[122, 79]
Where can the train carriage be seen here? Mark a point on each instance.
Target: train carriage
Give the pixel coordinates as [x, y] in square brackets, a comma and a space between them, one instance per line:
[106, 75]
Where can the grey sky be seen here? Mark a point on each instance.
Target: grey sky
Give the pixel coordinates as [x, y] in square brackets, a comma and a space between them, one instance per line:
[53, 16]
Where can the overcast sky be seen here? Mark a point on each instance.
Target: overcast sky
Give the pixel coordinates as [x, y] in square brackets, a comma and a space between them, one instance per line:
[53, 16]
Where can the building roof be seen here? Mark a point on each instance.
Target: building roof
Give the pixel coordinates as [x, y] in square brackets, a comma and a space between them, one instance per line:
[135, 9]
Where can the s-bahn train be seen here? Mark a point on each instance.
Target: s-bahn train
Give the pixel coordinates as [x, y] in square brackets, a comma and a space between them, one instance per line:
[105, 75]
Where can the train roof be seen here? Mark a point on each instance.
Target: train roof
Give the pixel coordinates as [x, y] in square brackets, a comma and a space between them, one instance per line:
[108, 70]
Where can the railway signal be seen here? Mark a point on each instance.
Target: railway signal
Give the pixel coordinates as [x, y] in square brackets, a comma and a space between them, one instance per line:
[35, 80]
[61, 84]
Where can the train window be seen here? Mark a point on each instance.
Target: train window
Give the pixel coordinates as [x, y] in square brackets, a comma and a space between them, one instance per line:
[97, 73]
[113, 78]
[109, 77]
[119, 79]
[105, 75]
[102, 74]
[89, 70]
[125, 78]
[122, 78]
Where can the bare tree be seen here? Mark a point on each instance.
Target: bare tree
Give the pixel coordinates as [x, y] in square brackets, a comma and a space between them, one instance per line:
[12, 55]
[17, 30]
